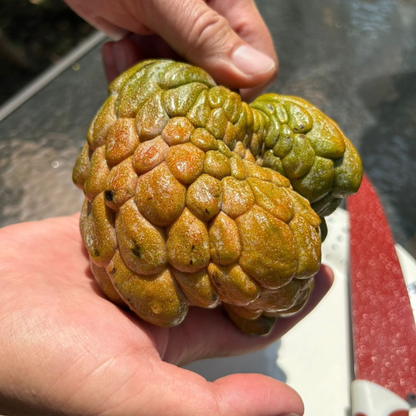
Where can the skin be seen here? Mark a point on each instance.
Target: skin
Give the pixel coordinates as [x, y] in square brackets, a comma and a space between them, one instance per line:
[204, 33]
[66, 350]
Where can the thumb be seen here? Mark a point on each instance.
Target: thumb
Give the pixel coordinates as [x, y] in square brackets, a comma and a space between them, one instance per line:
[204, 38]
[179, 392]
[256, 395]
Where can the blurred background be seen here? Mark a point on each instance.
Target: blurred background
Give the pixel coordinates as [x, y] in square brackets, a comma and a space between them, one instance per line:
[34, 34]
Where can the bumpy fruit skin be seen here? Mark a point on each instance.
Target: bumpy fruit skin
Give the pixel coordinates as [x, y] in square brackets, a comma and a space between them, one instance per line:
[194, 198]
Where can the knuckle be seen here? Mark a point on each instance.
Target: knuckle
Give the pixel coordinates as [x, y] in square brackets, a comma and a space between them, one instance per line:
[210, 31]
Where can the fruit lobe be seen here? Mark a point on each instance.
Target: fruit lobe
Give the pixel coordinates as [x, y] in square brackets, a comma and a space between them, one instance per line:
[194, 198]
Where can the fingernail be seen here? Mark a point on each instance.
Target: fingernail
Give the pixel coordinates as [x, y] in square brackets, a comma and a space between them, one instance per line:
[112, 31]
[289, 414]
[250, 61]
[116, 33]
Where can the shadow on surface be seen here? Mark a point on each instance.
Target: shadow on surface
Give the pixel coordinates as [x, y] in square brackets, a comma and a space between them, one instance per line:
[259, 362]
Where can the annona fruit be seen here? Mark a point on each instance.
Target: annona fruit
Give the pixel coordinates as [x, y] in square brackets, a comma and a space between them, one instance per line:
[195, 198]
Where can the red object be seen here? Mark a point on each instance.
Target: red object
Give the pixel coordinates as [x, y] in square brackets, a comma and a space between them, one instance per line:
[396, 413]
[384, 331]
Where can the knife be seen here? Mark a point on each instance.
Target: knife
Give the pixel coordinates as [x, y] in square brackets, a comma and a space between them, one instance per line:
[384, 332]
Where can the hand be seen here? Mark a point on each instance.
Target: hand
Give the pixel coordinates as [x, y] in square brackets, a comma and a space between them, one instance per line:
[227, 38]
[66, 350]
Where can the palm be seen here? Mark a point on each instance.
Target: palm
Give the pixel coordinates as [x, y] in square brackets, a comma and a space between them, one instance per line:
[60, 327]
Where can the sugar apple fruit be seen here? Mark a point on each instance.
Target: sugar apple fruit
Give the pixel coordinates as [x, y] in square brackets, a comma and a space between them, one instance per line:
[195, 198]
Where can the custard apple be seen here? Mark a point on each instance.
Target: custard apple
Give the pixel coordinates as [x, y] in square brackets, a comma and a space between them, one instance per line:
[195, 198]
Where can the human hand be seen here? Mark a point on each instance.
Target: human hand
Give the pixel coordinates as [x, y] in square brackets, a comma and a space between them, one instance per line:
[66, 350]
[227, 38]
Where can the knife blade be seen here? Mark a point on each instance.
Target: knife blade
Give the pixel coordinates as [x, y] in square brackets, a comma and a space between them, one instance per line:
[384, 332]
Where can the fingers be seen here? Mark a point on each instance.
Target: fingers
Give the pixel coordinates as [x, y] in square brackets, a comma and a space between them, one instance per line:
[112, 31]
[227, 38]
[245, 19]
[256, 395]
[121, 55]
[204, 37]
[160, 389]
[108, 16]
[219, 337]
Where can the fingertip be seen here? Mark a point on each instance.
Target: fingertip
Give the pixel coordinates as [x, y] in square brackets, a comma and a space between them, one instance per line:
[251, 62]
[243, 69]
[250, 94]
[256, 395]
[125, 54]
[205, 39]
[119, 56]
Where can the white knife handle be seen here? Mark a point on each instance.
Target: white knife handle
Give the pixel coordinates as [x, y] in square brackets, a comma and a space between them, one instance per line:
[370, 399]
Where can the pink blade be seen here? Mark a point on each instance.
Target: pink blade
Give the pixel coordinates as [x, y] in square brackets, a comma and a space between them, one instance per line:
[384, 329]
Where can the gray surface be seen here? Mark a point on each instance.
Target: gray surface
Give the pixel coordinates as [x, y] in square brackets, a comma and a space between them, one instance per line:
[40, 142]
[356, 60]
